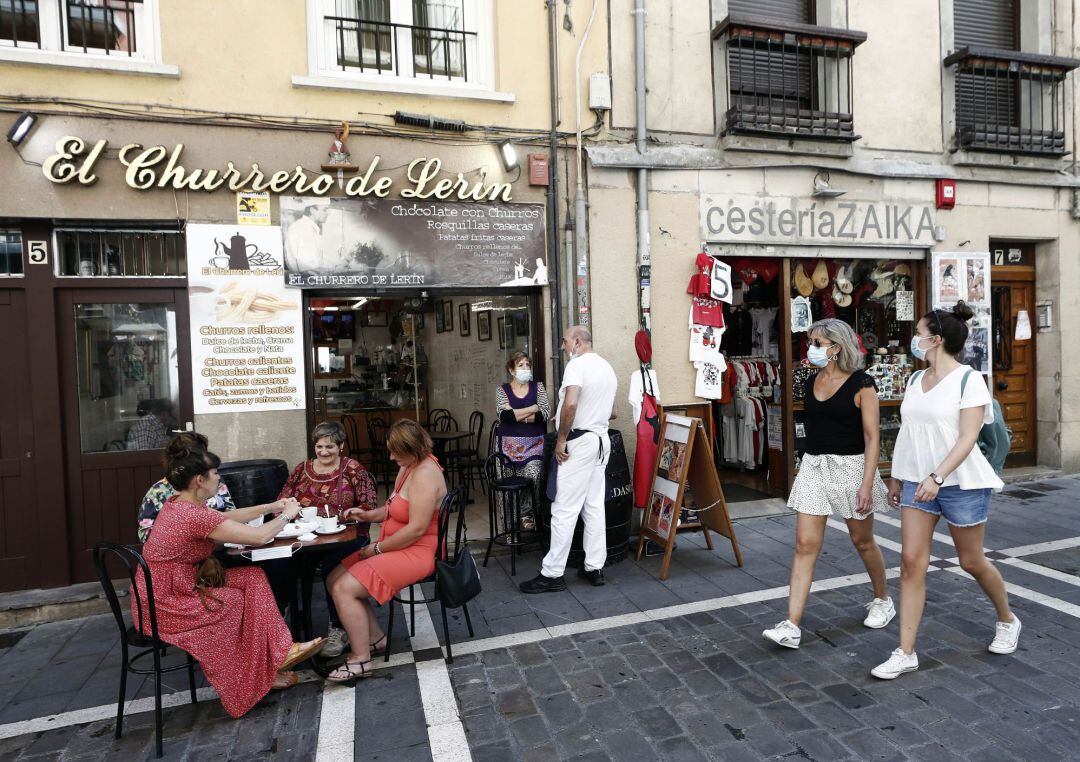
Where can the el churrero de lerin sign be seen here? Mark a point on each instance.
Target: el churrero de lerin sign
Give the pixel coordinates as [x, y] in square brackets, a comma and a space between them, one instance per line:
[76, 161]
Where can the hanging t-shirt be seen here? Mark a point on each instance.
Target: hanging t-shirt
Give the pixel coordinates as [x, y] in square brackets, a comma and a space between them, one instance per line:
[637, 391]
[705, 344]
[701, 281]
[710, 380]
[764, 340]
[706, 312]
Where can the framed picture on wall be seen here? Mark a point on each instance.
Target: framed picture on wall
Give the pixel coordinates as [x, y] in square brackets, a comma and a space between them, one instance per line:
[501, 325]
[440, 323]
[448, 314]
[483, 325]
[377, 318]
[464, 323]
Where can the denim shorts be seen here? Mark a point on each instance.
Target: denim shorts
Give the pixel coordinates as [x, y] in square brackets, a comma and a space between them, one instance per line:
[959, 507]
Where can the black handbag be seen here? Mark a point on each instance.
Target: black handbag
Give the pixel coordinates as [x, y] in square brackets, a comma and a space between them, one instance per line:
[457, 583]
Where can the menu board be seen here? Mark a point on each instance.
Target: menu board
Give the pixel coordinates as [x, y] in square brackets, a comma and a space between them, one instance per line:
[247, 337]
[965, 276]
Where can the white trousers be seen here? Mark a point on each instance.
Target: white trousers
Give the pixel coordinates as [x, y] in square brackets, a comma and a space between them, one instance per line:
[580, 486]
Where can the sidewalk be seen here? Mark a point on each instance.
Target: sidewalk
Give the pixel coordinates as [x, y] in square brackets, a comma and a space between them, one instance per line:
[656, 670]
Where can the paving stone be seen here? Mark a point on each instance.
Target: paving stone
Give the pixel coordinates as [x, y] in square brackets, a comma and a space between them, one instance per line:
[703, 683]
[627, 744]
[530, 731]
[680, 749]
[659, 679]
[543, 680]
[587, 686]
[767, 740]
[755, 690]
[560, 710]
[787, 717]
[607, 715]
[872, 744]
[848, 696]
[514, 703]
[656, 723]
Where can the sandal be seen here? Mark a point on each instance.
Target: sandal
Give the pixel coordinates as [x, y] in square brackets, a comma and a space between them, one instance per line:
[351, 674]
[285, 680]
[302, 652]
[377, 650]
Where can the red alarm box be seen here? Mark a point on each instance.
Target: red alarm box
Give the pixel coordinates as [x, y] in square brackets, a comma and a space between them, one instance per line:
[538, 169]
[946, 194]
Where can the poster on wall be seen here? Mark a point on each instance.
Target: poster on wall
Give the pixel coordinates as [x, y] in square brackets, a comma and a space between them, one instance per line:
[965, 276]
[401, 243]
[247, 338]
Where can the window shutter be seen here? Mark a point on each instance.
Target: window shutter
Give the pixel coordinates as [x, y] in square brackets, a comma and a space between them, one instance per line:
[798, 11]
[776, 78]
[985, 23]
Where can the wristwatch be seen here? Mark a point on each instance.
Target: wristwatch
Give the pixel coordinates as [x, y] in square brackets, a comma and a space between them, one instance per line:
[937, 479]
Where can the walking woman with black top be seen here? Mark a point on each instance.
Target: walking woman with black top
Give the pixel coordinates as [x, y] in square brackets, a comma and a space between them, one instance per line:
[838, 475]
[939, 471]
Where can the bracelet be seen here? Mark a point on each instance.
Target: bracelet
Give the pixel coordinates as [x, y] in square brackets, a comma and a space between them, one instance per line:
[378, 551]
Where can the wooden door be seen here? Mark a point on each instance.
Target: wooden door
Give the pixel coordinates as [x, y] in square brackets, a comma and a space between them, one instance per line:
[124, 354]
[1013, 292]
[20, 551]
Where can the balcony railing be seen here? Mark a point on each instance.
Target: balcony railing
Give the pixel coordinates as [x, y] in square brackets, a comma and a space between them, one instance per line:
[380, 46]
[791, 80]
[1012, 102]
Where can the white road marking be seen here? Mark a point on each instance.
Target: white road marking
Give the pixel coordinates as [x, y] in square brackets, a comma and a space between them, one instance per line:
[1045, 571]
[1032, 595]
[1043, 547]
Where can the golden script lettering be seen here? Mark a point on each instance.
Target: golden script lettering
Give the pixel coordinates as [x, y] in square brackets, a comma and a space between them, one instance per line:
[158, 167]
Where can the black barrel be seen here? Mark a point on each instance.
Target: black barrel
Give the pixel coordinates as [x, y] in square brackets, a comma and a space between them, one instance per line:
[254, 482]
[618, 502]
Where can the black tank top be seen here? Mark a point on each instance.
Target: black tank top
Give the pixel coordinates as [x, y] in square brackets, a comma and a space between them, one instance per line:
[834, 427]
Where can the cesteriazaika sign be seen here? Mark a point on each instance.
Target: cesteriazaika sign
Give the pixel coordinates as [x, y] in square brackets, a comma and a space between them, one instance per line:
[399, 243]
[754, 219]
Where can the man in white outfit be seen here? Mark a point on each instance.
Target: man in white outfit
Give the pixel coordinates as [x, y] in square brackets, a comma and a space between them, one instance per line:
[586, 405]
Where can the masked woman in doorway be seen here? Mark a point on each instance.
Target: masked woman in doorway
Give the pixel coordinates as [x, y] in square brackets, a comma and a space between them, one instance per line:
[838, 476]
[939, 471]
[523, 410]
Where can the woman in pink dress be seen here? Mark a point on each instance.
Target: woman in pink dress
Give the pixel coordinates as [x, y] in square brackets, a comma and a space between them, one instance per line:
[404, 554]
[234, 631]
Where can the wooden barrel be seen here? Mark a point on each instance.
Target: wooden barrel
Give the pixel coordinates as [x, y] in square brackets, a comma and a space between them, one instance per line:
[254, 482]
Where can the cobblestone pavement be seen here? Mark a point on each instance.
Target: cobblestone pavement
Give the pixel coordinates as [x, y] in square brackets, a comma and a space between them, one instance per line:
[654, 670]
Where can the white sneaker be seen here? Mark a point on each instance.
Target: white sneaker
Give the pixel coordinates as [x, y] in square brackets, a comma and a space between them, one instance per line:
[881, 613]
[336, 642]
[898, 663]
[784, 634]
[1007, 637]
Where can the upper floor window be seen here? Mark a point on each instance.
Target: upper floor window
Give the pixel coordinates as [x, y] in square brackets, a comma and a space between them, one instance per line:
[440, 40]
[123, 28]
[92, 252]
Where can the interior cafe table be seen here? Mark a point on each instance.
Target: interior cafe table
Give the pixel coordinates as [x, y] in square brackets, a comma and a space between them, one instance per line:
[303, 561]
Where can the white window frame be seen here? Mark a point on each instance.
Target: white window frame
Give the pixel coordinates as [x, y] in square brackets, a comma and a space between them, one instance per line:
[22, 252]
[146, 59]
[323, 71]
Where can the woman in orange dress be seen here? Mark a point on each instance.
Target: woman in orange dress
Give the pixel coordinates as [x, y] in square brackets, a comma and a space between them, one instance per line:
[234, 631]
[404, 554]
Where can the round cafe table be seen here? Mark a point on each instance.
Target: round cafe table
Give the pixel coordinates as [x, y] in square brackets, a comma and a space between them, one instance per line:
[304, 561]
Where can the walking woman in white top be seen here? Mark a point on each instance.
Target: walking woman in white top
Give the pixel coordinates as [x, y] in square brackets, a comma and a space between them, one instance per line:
[938, 471]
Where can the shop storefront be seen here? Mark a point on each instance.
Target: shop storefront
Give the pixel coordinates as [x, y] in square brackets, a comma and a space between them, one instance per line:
[876, 252]
[155, 278]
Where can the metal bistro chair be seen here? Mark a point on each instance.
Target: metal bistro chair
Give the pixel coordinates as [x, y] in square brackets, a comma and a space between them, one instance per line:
[440, 419]
[381, 465]
[466, 460]
[133, 636]
[507, 491]
[365, 455]
[450, 503]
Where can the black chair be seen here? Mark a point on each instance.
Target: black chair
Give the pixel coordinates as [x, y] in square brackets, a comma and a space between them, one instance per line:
[440, 419]
[507, 490]
[381, 465]
[133, 636]
[468, 462]
[450, 503]
[357, 451]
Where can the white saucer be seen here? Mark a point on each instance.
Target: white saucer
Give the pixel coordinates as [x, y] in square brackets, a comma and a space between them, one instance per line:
[306, 537]
[333, 531]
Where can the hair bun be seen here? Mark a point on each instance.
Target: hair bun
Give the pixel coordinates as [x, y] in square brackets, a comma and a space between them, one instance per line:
[962, 311]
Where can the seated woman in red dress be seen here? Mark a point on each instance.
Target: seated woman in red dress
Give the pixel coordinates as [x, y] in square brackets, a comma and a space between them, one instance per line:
[339, 483]
[404, 554]
[234, 631]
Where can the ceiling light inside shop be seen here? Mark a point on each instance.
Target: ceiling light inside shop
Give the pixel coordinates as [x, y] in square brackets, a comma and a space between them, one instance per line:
[508, 154]
[359, 303]
[21, 128]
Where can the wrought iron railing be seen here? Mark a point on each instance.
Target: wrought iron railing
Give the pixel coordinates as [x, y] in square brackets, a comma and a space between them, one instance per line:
[20, 25]
[787, 79]
[93, 252]
[377, 46]
[1011, 102]
[107, 26]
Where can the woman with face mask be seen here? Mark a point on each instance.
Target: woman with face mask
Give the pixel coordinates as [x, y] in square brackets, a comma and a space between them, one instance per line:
[838, 475]
[523, 410]
[939, 471]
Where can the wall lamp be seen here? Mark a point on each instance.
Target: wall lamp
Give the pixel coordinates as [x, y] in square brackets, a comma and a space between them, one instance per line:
[508, 153]
[822, 189]
[21, 128]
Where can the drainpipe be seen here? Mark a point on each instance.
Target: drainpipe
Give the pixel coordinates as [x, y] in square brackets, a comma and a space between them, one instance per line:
[553, 199]
[644, 258]
[581, 242]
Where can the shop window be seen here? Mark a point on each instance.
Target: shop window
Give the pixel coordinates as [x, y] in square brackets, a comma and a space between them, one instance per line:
[89, 253]
[110, 28]
[443, 40]
[11, 253]
[128, 375]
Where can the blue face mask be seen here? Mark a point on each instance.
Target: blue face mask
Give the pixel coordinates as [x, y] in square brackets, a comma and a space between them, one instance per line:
[920, 354]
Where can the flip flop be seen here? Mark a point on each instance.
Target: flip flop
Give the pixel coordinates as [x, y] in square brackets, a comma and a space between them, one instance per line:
[353, 675]
[299, 653]
[291, 679]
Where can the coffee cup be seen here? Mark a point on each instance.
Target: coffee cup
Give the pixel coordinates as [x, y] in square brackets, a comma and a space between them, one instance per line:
[328, 523]
[309, 512]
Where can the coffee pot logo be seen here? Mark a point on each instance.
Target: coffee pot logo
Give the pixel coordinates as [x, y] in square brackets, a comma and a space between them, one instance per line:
[240, 255]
